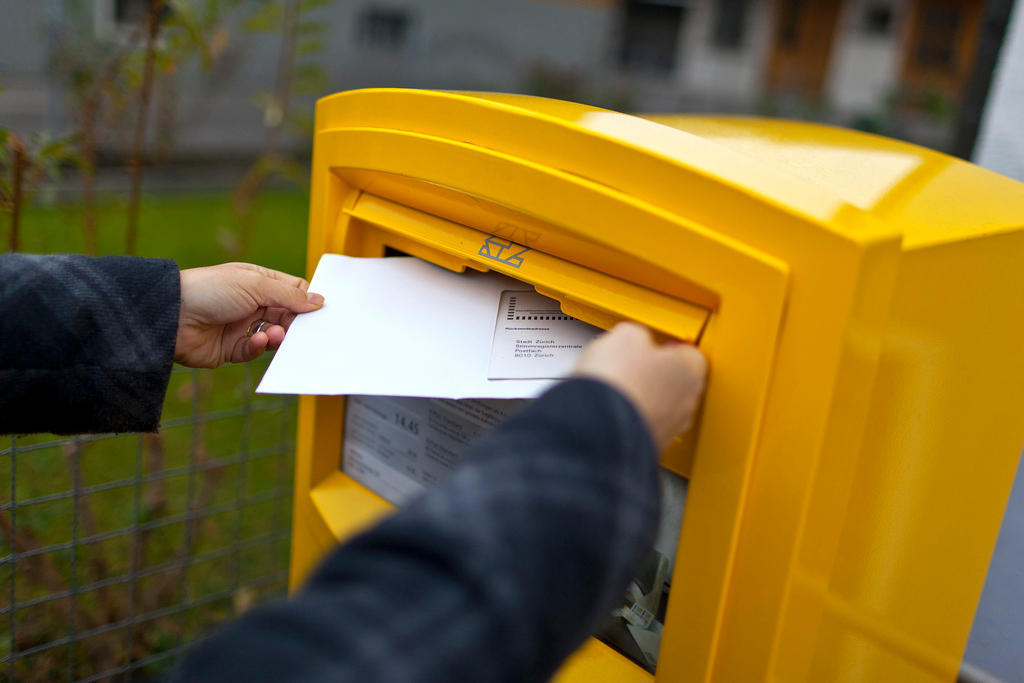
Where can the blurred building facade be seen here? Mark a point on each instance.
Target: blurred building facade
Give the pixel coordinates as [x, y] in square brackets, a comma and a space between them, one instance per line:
[892, 66]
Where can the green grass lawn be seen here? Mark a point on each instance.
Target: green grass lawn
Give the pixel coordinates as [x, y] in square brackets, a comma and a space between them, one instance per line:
[199, 514]
[195, 230]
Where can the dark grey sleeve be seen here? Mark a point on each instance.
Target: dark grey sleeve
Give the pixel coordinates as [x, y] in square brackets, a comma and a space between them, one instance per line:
[496, 574]
[86, 344]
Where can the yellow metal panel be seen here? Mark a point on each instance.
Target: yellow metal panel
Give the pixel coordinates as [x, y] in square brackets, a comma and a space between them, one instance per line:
[751, 286]
[622, 152]
[865, 316]
[930, 196]
[944, 437]
[564, 280]
[595, 662]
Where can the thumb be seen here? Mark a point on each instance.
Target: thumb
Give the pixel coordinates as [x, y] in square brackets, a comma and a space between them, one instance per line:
[695, 361]
[270, 292]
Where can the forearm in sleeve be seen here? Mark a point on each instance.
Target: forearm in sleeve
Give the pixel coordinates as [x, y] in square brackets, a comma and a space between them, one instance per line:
[496, 574]
[86, 344]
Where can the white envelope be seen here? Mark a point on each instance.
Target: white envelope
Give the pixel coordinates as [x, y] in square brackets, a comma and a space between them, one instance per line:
[403, 327]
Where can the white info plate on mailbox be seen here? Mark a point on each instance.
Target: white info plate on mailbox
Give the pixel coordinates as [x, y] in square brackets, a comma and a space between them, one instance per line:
[403, 327]
[533, 339]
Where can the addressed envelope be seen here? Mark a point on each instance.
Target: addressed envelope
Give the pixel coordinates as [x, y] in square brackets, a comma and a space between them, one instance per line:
[533, 339]
[398, 327]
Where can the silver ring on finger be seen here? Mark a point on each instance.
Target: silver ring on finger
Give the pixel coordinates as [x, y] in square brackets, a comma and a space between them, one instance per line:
[258, 325]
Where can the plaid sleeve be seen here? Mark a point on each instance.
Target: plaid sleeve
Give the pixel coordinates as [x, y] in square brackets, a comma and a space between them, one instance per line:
[496, 574]
[86, 344]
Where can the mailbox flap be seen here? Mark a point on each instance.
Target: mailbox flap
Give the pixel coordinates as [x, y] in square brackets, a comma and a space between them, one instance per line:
[582, 292]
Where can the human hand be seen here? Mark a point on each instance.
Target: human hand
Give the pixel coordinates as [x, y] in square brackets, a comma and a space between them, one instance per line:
[663, 382]
[219, 303]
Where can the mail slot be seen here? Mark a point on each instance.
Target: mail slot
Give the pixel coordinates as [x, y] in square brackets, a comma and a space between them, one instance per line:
[861, 304]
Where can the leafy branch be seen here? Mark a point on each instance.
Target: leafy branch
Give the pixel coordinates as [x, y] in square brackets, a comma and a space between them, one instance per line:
[298, 74]
[24, 165]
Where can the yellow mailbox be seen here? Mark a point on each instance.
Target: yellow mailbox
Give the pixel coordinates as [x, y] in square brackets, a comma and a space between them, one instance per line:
[861, 303]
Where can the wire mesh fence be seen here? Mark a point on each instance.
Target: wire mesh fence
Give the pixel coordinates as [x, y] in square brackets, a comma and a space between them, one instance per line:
[118, 551]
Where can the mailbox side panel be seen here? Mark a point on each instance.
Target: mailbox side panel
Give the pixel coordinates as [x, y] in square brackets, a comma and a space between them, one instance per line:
[942, 443]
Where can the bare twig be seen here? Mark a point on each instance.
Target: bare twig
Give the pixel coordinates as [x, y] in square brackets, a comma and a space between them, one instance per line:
[283, 77]
[17, 176]
[276, 118]
[111, 606]
[41, 569]
[164, 587]
[138, 142]
[154, 502]
[91, 108]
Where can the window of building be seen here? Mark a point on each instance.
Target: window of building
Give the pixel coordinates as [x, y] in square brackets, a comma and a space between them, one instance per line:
[118, 20]
[135, 11]
[941, 44]
[650, 35]
[936, 47]
[730, 23]
[385, 28]
[790, 13]
[877, 20]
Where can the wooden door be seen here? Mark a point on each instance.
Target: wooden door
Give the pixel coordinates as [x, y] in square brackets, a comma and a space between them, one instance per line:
[941, 43]
[802, 46]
